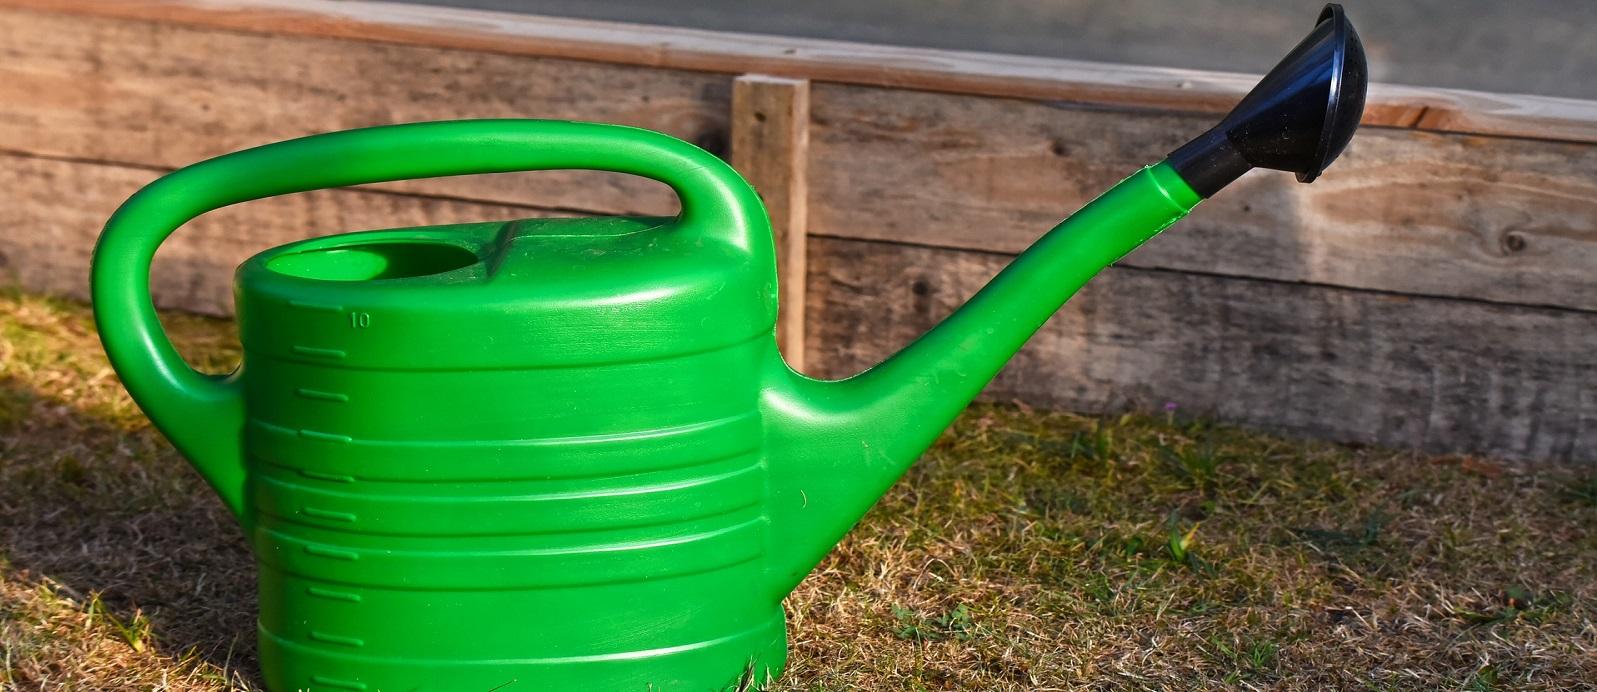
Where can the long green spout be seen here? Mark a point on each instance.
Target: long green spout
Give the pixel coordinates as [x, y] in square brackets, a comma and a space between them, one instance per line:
[838, 445]
[835, 447]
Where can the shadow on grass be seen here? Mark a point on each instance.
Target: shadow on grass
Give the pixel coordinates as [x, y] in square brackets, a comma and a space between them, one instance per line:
[101, 510]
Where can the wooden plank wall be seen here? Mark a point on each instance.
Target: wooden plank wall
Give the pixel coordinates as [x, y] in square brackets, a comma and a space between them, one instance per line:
[1434, 290]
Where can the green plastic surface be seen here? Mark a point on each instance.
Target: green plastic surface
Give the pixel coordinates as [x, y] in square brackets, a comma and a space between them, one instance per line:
[563, 454]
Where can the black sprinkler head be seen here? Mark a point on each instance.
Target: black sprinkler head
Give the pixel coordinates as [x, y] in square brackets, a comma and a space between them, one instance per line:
[1298, 118]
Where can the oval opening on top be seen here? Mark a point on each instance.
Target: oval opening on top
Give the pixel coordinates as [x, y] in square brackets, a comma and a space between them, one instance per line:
[372, 261]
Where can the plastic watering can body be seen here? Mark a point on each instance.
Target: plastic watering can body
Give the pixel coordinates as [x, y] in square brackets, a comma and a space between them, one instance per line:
[561, 453]
[543, 463]
[557, 451]
[465, 455]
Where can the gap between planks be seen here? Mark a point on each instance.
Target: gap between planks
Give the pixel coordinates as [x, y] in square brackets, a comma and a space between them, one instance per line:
[1133, 266]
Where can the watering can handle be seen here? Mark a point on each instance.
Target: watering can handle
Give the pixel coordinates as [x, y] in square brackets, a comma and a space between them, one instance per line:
[203, 415]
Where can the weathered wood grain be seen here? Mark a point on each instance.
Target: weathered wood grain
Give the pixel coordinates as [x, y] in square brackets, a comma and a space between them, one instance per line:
[770, 141]
[1486, 218]
[52, 212]
[157, 94]
[1432, 290]
[836, 61]
[1511, 221]
[1505, 220]
[1432, 374]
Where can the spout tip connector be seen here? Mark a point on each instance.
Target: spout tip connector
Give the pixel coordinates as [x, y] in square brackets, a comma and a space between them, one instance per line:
[1348, 82]
[1298, 118]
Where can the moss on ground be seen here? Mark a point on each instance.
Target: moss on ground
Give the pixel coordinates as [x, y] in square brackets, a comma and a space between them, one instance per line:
[1028, 550]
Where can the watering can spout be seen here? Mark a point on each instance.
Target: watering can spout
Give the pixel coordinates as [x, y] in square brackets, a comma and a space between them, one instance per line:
[837, 446]
[1297, 119]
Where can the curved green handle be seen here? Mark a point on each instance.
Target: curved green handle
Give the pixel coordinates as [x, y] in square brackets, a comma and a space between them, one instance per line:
[203, 415]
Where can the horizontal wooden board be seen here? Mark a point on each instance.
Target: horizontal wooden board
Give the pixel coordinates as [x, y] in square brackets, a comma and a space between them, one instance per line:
[53, 211]
[836, 61]
[1429, 374]
[1511, 221]
[167, 95]
[1496, 219]
[1350, 365]
[1398, 300]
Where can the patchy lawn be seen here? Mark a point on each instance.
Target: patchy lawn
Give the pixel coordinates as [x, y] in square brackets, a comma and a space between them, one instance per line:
[1027, 551]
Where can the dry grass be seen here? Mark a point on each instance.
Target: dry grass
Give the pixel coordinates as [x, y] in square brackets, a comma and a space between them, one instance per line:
[1028, 550]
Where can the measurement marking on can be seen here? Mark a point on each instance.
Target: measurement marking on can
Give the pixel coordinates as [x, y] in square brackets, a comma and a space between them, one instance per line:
[319, 307]
[331, 353]
[328, 514]
[325, 436]
[321, 476]
[307, 393]
[337, 639]
[335, 682]
[333, 553]
[330, 594]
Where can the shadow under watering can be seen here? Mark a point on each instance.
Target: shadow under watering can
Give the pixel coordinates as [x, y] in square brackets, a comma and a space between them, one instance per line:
[566, 453]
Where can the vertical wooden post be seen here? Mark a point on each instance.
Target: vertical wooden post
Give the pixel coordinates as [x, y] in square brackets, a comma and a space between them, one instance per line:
[770, 142]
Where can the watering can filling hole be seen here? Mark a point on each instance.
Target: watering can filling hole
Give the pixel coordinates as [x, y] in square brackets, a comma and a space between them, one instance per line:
[374, 261]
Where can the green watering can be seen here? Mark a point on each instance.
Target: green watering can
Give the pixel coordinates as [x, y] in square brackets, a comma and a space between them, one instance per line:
[564, 454]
